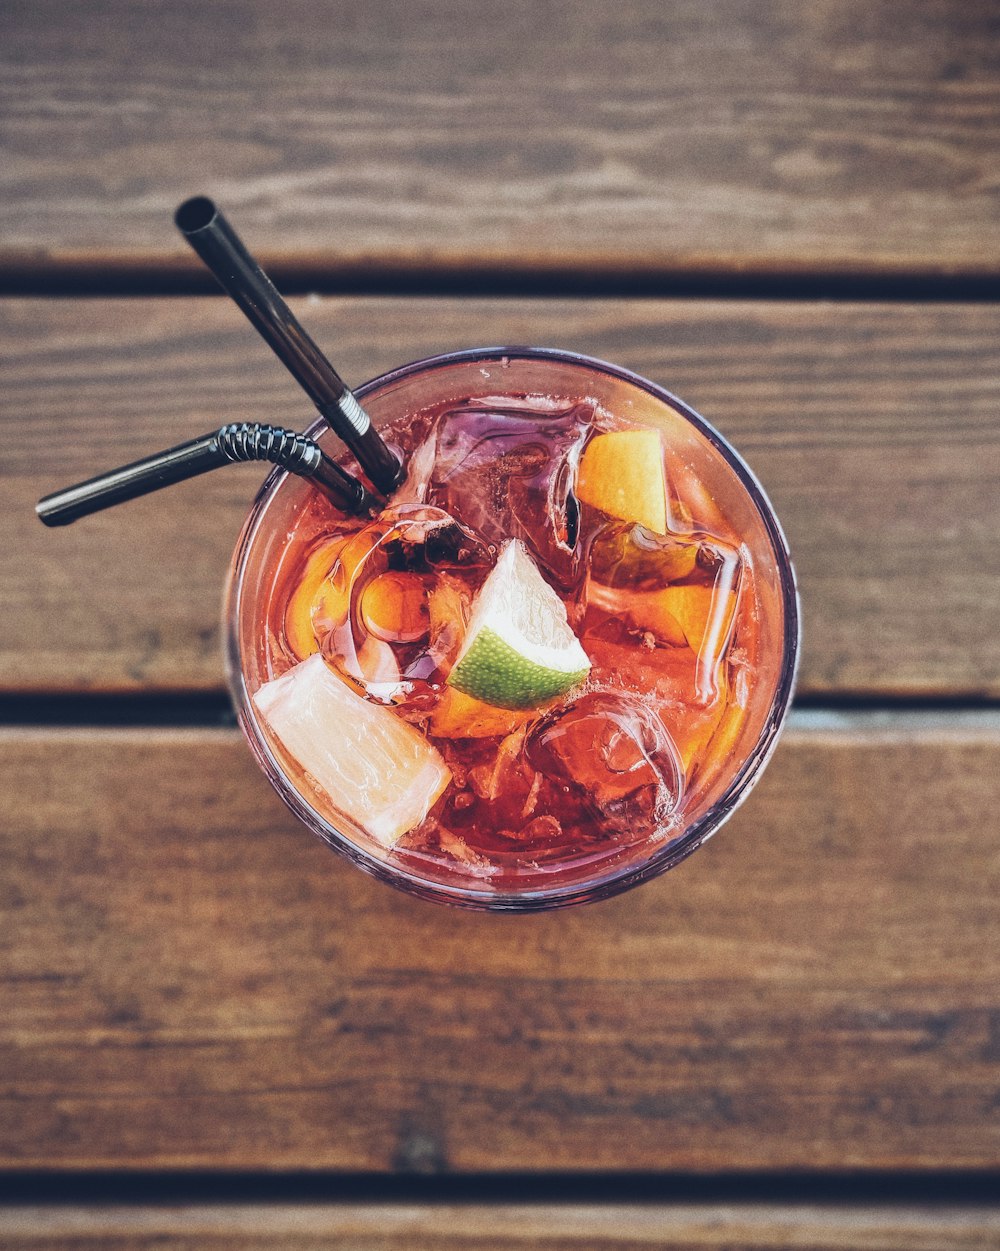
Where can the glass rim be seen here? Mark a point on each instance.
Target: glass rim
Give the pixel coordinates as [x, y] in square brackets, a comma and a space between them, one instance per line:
[537, 898]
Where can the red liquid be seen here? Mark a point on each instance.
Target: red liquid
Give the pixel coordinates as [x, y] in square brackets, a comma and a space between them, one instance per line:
[607, 773]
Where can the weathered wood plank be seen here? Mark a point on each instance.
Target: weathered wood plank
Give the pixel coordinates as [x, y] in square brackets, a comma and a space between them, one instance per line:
[874, 429]
[190, 980]
[779, 135]
[577, 1227]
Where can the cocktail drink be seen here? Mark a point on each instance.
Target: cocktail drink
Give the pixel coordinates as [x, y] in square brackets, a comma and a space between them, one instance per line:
[545, 664]
[550, 667]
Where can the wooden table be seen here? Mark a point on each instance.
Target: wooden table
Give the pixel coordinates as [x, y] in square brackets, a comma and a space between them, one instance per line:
[214, 1033]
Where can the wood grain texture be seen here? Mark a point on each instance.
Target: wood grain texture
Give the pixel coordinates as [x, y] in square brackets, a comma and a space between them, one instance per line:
[737, 135]
[578, 1227]
[873, 428]
[189, 980]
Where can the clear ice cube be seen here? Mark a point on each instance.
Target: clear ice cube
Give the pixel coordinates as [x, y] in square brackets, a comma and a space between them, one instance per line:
[622, 554]
[611, 749]
[507, 469]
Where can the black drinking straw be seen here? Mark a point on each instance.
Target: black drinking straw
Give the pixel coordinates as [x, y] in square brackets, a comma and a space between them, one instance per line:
[222, 250]
[237, 441]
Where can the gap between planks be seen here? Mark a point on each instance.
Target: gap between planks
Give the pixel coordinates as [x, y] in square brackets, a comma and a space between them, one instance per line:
[114, 275]
[155, 719]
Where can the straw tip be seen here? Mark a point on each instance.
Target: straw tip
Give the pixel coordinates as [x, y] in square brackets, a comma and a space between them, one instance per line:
[195, 214]
[49, 515]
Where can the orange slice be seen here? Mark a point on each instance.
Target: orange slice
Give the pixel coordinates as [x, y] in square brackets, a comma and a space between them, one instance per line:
[696, 611]
[394, 607]
[621, 473]
[298, 615]
[729, 731]
[641, 610]
[708, 749]
[460, 716]
[649, 610]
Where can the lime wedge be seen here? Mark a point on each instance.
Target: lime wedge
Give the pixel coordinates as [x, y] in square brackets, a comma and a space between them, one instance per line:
[518, 651]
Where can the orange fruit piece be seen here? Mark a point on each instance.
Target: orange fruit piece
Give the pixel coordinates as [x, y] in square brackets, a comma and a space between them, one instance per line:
[621, 473]
[729, 731]
[649, 610]
[697, 610]
[640, 610]
[460, 716]
[701, 727]
[394, 607]
[710, 747]
[298, 614]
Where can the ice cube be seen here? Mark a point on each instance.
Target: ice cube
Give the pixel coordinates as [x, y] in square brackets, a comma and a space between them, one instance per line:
[375, 768]
[615, 750]
[627, 555]
[680, 590]
[706, 612]
[506, 468]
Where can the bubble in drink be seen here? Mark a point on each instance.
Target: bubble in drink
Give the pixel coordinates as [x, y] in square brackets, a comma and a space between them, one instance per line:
[574, 611]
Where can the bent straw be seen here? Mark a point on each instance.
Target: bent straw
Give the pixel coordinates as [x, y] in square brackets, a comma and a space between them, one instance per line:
[237, 441]
[222, 250]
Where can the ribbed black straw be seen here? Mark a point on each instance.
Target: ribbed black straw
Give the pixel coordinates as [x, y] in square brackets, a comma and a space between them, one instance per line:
[238, 441]
[222, 250]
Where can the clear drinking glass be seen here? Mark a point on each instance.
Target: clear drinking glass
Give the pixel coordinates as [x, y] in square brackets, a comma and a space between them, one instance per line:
[514, 371]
